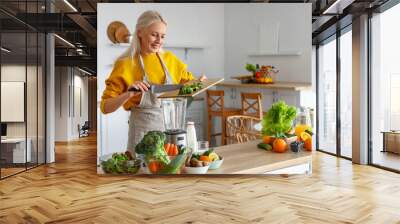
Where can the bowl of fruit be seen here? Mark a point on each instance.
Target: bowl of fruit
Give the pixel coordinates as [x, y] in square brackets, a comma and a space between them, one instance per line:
[209, 157]
[194, 165]
[199, 163]
[216, 160]
[196, 170]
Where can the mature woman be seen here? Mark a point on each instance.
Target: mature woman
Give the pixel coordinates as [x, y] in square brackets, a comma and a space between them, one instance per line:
[144, 63]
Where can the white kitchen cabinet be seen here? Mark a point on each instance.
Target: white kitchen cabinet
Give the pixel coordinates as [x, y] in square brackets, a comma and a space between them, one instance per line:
[305, 168]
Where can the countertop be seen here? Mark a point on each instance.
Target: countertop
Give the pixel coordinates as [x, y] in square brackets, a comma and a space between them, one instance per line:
[246, 158]
[297, 86]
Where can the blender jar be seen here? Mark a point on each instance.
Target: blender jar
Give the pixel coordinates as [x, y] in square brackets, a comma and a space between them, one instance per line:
[174, 111]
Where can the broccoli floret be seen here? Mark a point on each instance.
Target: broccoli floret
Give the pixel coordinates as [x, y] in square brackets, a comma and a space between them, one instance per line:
[152, 146]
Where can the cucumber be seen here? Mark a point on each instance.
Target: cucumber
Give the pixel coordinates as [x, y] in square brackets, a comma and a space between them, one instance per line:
[264, 146]
[174, 165]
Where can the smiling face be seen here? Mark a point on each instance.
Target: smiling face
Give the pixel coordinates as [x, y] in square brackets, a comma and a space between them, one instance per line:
[152, 37]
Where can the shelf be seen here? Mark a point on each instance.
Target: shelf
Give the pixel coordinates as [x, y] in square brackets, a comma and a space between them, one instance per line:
[120, 45]
[296, 86]
[282, 53]
[186, 47]
[183, 46]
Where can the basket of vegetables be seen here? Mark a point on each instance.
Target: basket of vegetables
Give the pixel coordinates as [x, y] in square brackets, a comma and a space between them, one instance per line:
[261, 74]
[120, 163]
[156, 160]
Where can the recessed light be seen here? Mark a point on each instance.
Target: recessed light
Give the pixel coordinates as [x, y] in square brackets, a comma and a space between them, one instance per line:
[5, 50]
[84, 71]
[333, 9]
[70, 5]
[64, 40]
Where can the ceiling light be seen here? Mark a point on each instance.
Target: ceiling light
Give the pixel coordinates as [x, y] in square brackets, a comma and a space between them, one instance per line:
[84, 71]
[65, 41]
[70, 5]
[331, 7]
[5, 50]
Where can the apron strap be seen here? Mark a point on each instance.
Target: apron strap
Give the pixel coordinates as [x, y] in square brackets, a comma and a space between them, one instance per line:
[168, 78]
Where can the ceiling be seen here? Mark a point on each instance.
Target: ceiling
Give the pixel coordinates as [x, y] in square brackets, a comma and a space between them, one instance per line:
[77, 23]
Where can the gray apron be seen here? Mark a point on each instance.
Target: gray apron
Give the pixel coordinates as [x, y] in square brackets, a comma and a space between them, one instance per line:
[148, 115]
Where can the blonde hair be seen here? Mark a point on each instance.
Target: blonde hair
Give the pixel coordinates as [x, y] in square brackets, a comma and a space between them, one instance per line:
[145, 20]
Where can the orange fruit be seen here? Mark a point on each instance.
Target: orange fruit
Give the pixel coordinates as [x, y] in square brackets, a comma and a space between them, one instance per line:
[268, 139]
[304, 136]
[205, 158]
[279, 145]
[308, 144]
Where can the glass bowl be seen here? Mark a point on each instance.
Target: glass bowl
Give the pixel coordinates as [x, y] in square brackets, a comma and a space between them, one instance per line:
[119, 167]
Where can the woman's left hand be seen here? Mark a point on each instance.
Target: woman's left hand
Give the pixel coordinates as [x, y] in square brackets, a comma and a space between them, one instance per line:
[202, 78]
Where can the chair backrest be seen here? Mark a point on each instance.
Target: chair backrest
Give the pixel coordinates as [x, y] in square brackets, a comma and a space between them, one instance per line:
[215, 101]
[251, 104]
[240, 128]
[86, 125]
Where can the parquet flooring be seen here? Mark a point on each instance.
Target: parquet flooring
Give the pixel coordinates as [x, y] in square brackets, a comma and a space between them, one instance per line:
[70, 191]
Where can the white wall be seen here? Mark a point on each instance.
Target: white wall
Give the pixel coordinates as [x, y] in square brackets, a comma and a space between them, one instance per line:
[61, 103]
[242, 22]
[67, 113]
[226, 33]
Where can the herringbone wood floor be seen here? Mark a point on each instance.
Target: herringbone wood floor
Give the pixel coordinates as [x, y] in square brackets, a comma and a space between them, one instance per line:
[69, 191]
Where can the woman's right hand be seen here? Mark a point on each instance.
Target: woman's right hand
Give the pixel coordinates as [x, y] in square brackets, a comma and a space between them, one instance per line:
[140, 86]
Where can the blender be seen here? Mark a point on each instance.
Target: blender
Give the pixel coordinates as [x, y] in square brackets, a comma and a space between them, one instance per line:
[174, 111]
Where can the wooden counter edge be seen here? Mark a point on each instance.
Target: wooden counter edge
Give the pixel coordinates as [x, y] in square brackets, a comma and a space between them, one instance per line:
[278, 85]
[262, 170]
[276, 166]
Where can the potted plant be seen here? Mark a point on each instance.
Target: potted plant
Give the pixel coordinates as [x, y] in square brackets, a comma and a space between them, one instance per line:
[277, 126]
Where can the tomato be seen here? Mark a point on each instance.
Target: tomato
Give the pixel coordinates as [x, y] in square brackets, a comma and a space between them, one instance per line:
[279, 145]
[268, 139]
[308, 144]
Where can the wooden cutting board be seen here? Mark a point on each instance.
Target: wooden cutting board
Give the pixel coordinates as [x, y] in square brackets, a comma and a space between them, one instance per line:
[206, 85]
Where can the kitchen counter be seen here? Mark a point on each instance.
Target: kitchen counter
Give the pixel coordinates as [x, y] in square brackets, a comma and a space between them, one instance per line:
[246, 158]
[277, 85]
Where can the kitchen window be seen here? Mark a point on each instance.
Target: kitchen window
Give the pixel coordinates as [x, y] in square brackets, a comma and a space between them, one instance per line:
[385, 89]
[327, 96]
[334, 94]
[346, 93]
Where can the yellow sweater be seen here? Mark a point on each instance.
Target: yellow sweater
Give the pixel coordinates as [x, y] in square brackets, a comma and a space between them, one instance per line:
[126, 71]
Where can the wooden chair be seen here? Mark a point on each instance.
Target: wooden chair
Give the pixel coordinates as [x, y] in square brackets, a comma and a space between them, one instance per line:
[241, 129]
[215, 107]
[251, 104]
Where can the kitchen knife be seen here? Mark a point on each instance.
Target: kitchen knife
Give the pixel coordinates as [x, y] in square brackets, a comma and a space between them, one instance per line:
[159, 88]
